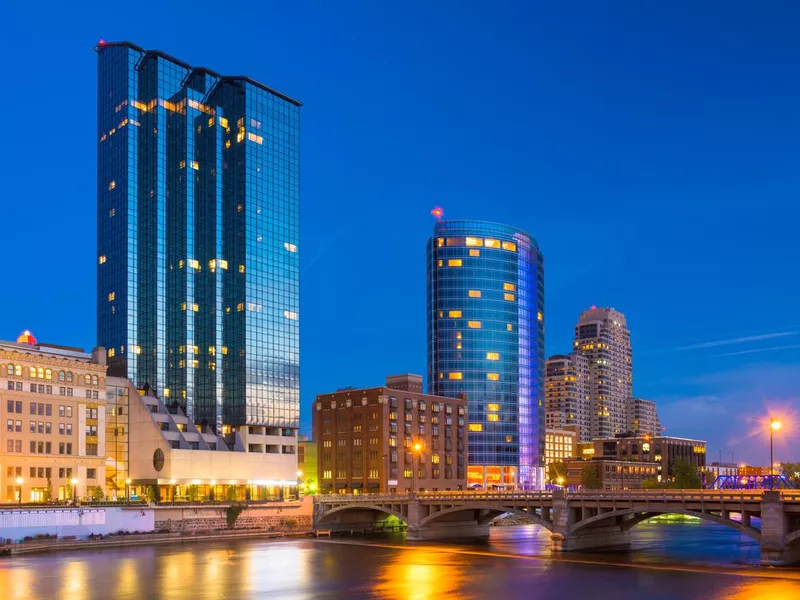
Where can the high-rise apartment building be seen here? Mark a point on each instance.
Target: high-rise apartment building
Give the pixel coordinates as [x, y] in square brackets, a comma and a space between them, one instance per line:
[390, 439]
[486, 340]
[643, 417]
[198, 231]
[52, 439]
[567, 395]
[602, 337]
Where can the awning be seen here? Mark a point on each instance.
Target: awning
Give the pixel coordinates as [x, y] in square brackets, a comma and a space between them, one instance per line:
[357, 485]
[373, 484]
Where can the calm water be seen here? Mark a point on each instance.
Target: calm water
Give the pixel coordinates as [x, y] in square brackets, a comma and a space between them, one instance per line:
[667, 561]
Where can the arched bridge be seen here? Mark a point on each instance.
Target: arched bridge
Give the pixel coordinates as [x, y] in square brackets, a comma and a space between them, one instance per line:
[577, 521]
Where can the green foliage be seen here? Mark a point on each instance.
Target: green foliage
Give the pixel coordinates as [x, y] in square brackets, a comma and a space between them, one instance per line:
[194, 491]
[150, 493]
[652, 484]
[232, 513]
[590, 477]
[231, 493]
[792, 472]
[556, 470]
[48, 491]
[289, 524]
[685, 476]
[97, 493]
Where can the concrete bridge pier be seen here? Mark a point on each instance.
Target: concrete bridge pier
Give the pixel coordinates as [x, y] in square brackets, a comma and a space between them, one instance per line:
[775, 528]
[470, 524]
[565, 538]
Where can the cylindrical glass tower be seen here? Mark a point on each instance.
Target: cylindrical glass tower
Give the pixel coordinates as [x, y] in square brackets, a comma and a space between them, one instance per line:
[486, 340]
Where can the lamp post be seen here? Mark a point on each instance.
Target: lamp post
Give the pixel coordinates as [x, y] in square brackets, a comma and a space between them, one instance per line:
[20, 481]
[128, 490]
[774, 425]
[414, 450]
[74, 483]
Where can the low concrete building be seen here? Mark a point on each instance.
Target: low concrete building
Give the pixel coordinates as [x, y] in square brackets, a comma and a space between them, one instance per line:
[171, 459]
[391, 438]
[612, 474]
[52, 437]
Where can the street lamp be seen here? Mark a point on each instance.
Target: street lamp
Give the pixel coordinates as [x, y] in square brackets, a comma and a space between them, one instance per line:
[74, 483]
[774, 425]
[128, 490]
[560, 481]
[20, 481]
[415, 449]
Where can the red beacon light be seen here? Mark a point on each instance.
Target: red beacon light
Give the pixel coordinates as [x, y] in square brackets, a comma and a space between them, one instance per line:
[101, 43]
[438, 212]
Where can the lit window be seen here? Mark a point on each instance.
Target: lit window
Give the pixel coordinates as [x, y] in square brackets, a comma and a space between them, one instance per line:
[211, 121]
[458, 335]
[182, 164]
[290, 247]
[225, 350]
[194, 264]
[455, 376]
[223, 264]
[509, 297]
[511, 246]
[474, 324]
[439, 263]
[227, 143]
[183, 305]
[509, 326]
[459, 346]
[255, 138]
[195, 307]
[102, 259]
[223, 121]
[112, 212]
[474, 293]
[493, 407]
[166, 392]
[490, 243]
[290, 315]
[111, 296]
[509, 287]
[493, 417]
[195, 165]
[509, 439]
[111, 352]
[454, 314]
[439, 242]
[474, 252]
[112, 185]
[540, 316]
[454, 262]
[240, 307]
[492, 356]
[137, 349]
[471, 241]
[493, 376]
[212, 264]
[241, 268]
[475, 427]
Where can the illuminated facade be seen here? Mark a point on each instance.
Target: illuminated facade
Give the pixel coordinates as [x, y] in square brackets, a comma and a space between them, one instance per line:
[391, 439]
[643, 417]
[198, 233]
[52, 439]
[560, 445]
[566, 394]
[662, 450]
[602, 337]
[485, 310]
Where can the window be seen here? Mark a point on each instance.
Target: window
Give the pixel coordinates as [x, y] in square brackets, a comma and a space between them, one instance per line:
[509, 297]
[474, 324]
[471, 241]
[69, 428]
[61, 429]
[10, 406]
[493, 417]
[69, 375]
[474, 293]
[327, 474]
[455, 376]
[540, 316]
[493, 376]
[91, 473]
[474, 252]
[454, 262]
[510, 246]
[18, 406]
[111, 296]
[509, 287]
[10, 425]
[509, 327]
[490, 243]
[48, 374]
[475, 427]
[454, 314]
[492, 356]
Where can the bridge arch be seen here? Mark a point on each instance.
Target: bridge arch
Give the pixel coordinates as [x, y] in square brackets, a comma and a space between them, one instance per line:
[793, 538]
[639, 516]
[356, 507]
[494, 511]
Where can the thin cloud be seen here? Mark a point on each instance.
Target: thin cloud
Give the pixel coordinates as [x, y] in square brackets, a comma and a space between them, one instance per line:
[728, 342]
[770, 349]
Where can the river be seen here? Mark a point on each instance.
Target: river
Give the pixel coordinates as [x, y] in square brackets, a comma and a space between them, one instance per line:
[670, 561]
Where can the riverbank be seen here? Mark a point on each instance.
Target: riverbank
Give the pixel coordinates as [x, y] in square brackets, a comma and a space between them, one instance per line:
[116, 541]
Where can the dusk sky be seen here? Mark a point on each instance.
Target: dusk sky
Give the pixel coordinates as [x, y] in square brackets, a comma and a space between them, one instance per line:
[652, 151]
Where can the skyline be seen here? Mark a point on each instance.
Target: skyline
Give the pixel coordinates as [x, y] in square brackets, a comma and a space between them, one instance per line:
[706, 346]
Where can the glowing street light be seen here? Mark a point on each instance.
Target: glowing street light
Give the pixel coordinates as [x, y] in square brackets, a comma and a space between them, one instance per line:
[416, 448]
[774, 425]
[74, 483]
[128, 489]
[560, 481]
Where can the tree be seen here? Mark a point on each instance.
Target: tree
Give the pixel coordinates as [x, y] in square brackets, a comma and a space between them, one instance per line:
[48, 491]
[590, 477]
[150, 493]
[556, 470]
[652, 484]
[684, 476]
[792, 472]
[194, 490]
[232, 513]
[97, 493]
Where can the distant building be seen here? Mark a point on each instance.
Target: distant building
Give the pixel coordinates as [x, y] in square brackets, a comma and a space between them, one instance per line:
[391, 439]
[716, 469]
[613, 474]
[560, 445]
[52, 439]
[174, 459]
[642, 416]
[602, 337]
[751, 471]
[486, 340]
[566, 395]
[659, 449]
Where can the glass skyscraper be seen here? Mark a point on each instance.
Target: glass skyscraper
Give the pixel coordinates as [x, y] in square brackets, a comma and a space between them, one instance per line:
[198, 198]
[486, 340]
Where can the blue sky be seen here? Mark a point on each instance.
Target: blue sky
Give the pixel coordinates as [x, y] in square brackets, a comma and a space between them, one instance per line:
[652, 151]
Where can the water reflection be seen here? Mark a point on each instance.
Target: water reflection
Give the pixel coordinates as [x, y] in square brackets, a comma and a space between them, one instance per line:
[421, 574]
[765, 590]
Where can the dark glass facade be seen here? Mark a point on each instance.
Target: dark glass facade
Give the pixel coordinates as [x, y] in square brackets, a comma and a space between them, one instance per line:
[198, 200]
[486, 339]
